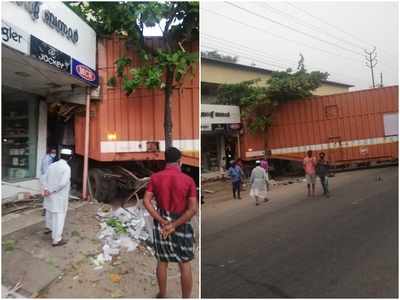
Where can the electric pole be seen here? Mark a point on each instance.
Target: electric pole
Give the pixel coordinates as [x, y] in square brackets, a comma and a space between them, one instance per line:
[371, 61]
[381, 80]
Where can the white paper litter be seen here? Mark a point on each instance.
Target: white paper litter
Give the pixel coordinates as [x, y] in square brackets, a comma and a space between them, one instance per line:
[138, 224]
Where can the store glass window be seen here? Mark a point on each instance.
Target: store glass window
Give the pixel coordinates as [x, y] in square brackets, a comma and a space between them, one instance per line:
[209, 153]
[19, 136]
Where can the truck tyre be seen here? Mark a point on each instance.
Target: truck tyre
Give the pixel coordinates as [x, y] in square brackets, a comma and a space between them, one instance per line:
[98, 185]
[111, 189]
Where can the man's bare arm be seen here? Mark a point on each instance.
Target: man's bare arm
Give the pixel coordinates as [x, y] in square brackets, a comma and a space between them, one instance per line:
[150, 208]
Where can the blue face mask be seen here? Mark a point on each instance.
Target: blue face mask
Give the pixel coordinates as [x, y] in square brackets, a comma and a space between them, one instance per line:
[53, 155]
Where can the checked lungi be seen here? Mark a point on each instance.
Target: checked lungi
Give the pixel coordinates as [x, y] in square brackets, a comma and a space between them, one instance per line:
[178, 247]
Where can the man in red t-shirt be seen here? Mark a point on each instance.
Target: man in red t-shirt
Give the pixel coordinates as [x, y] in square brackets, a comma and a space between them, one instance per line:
[175, 194]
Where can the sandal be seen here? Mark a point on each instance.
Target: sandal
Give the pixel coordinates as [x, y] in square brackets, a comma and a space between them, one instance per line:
[60, 243]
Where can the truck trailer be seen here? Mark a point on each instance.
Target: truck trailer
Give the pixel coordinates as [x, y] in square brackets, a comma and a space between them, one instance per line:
[353, 128]
[126, 135]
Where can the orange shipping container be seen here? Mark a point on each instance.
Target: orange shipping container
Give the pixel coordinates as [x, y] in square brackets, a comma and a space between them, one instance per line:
[123, 127]
[350, 127]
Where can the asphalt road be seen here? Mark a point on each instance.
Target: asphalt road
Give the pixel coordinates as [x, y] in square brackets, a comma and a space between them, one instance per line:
[298, 247]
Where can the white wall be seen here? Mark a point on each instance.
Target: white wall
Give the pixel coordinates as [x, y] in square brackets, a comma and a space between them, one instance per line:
[84, 50]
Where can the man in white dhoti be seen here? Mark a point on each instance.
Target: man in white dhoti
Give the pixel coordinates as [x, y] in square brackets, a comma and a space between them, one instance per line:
[56, 184]
[258, 181]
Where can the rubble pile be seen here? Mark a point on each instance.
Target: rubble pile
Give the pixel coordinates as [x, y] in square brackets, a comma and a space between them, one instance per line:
[123, 228]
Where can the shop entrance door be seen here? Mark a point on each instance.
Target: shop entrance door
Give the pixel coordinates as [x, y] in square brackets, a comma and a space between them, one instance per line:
[60, 129]
[230, 150]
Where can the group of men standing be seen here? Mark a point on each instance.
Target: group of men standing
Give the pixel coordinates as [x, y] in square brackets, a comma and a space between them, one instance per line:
[176, 197]
[258, 180]
[259, 177]
[314, 168]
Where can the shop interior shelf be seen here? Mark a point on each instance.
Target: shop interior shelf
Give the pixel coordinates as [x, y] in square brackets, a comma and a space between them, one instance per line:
[16, 136]
[11, 166]
[17, 118]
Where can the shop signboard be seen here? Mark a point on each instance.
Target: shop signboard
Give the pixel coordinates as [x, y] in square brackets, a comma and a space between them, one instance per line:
[219, 114]
[56, 24]
[84, 73]
[206, 127]
[218, 127]
[14, 37]
[50, 55]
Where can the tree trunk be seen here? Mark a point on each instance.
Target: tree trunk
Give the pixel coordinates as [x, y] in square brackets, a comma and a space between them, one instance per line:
[168, 108]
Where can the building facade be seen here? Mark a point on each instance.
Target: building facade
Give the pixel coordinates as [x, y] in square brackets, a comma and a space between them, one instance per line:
[221, 141]
[48, 62]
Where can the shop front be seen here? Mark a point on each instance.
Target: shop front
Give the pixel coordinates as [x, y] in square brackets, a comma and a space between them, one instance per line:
[48, 62]
[220, 126]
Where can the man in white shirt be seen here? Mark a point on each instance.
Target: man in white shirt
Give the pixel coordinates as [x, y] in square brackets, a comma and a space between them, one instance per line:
[56, 185]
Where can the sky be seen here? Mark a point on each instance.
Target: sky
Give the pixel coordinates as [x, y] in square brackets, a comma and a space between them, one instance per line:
[332, 36]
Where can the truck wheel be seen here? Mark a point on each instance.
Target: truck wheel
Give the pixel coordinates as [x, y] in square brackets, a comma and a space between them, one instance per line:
[111, 189]
[97, 185]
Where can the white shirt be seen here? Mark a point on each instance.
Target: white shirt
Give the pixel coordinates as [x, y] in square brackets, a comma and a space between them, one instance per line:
[57, 181]
[258, 178]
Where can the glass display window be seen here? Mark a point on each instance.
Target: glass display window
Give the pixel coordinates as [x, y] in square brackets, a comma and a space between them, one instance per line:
[19, 136]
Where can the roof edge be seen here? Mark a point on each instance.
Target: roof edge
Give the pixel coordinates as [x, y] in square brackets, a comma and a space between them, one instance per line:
[266, 71]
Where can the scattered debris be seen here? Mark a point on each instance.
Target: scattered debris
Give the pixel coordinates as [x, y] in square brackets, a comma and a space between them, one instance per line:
[209, 191]
[116, 294]
[123, 228]
[12, 293]
[9, 245]
[115, 278]
[104, 211]
[35, 295]
[75, 233]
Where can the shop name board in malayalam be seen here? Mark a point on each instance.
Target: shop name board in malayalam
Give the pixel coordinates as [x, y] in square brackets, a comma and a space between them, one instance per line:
[212, 114]
[219, 114]
[33, 8]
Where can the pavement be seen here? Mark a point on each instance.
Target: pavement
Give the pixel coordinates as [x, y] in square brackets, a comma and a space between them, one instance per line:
[67, 272]
[295, 246]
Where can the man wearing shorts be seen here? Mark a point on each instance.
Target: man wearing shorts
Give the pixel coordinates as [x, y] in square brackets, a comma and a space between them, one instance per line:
[309, 164]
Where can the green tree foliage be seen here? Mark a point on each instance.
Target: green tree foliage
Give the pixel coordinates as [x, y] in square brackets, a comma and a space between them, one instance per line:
[258, 102]
[162, 68]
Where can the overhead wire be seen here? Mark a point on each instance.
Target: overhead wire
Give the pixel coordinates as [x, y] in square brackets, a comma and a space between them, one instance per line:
[282, 65]
[232, 53]
[262, 53]
[293, 29]
[303, 23]
[329, 24]
[336, 54]
[366, 43]
[279, 36]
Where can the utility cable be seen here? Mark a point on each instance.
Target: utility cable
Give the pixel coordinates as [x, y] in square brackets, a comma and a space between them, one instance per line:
[291, 28]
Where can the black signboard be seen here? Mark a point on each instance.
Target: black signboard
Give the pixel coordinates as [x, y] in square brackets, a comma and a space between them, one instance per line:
[218, 127]
[50, 55]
